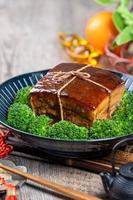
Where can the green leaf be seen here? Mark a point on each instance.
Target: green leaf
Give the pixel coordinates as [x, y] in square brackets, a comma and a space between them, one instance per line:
[125, 2]
[118, 21]
[125, 36]
[105, 2]
[126, 14]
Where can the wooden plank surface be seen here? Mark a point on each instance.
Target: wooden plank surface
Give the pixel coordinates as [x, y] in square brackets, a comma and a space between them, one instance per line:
[28, 42]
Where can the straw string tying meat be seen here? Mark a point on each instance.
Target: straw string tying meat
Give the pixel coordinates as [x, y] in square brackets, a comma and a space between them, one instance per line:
[61, 76]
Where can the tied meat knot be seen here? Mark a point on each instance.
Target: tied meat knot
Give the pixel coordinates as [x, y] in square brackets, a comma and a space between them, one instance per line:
[61, 76]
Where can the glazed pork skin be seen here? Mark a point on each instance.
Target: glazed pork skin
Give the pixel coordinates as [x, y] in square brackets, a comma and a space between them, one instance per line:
[83, 102]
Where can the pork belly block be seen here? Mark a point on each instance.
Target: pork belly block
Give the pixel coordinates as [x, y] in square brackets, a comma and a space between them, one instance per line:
[83, 101]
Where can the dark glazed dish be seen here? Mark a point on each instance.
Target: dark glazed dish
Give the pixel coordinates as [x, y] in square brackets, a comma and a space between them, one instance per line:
[86, 148]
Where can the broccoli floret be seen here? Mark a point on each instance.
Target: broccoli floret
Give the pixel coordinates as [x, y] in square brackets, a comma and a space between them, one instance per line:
[20, 116]
[39, 125]
[23, 96]
[67, 130]
[100, 129]
[108, 128]
[125, 110]
[127, 98]
[120, 124]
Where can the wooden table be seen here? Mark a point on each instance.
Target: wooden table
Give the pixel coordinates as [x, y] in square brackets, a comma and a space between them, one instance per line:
[29, 42]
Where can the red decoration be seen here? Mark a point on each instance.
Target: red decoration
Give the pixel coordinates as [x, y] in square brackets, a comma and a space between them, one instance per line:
[11, 192]
[11, 198]
[122, 62]
[10, 188]
[5, 149]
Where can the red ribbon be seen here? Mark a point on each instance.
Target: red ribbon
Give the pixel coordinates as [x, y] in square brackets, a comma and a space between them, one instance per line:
[5, 149]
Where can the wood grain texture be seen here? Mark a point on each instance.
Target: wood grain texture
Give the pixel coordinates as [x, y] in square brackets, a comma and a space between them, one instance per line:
[29, 42]
[59, 188]
[74, 178]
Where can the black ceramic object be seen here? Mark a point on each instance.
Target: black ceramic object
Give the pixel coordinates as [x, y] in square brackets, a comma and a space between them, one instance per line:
[119, 185]
[85, 148]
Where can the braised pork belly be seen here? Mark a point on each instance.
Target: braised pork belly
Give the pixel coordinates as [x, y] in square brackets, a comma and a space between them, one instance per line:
[83, 101]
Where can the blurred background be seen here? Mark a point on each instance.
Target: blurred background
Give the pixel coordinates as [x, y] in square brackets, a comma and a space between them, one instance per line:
[29, 32]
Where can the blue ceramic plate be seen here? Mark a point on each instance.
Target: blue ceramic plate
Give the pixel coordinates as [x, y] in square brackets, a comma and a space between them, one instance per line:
[83, 148]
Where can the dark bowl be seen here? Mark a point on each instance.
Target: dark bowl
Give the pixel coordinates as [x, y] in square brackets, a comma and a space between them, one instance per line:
[78, 148]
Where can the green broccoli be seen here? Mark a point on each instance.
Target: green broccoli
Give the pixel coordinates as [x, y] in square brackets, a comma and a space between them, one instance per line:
[120, 124]
[67, 130]
[20, 116]
[39, 125]
[125, 110]
[23, 96]
[100, 129]
[104, 128]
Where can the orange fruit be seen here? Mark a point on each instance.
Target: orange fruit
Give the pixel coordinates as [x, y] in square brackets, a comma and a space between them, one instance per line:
[100, 30]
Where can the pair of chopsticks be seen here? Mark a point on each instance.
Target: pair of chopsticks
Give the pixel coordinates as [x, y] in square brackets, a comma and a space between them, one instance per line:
[66, 191]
